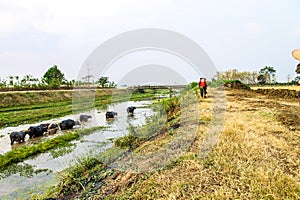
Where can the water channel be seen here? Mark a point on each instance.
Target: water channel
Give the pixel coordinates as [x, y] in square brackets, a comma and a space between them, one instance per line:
[17, 186]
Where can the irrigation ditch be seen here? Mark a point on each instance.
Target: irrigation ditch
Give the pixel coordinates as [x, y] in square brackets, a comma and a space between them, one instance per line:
[31, 167]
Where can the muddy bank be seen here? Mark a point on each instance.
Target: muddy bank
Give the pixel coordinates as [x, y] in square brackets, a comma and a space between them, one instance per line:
[279, 93]
[29, 98]
[236, 84]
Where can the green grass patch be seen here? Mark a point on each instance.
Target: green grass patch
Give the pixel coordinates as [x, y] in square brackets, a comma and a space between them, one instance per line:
[20, 154]
[60, 151]
[23, 169]
[81, 177]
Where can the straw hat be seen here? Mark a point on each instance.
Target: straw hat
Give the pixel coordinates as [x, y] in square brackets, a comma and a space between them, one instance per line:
[296, 54]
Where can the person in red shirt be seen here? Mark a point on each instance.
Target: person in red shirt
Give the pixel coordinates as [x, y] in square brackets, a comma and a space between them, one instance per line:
[203, 87]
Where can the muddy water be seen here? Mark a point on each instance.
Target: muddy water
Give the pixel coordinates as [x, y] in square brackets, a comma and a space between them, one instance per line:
[16, 186]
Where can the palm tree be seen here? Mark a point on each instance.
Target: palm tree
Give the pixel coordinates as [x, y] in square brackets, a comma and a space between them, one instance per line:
[11, 80]
[17, 81]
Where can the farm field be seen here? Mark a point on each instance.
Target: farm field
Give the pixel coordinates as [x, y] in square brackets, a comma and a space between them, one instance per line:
[162, 100]
[240, 144]
[256, 156]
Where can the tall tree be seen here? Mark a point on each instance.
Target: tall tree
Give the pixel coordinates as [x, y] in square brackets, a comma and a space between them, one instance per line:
[29, 80]
[244, 76]
[103, 81]
[261, 79]
[11, 80]
[54, 77]
[17, 81]
[269, 73]
[2, 83]
[253, 76]
[296, 80]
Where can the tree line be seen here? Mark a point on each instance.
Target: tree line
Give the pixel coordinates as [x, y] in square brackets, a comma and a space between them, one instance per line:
[266, 75]
[55, 78]
[52, 79]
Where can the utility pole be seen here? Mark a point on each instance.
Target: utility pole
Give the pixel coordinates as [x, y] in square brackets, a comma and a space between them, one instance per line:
[88, 74]
[288, 78]
[88, 77]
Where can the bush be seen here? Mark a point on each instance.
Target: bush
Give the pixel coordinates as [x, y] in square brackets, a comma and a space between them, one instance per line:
[171, 105]
[215, 83]
[192, 85]
[127, 141]
[236, 84]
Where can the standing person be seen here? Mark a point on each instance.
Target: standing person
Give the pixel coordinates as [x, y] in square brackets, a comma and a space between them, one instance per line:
[203, 87]
[299, 91]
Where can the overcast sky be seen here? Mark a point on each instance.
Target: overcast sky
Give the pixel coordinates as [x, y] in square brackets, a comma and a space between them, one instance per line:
[236, 34]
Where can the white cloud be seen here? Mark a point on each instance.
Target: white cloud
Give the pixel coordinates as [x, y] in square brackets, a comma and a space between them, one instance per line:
[297, 31]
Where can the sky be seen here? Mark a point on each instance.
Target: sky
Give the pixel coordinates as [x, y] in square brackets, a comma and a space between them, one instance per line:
[236, 34]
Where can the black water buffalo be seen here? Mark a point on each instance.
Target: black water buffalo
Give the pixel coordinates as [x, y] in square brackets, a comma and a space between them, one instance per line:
[36, 131]
[110, 114]
[84, 118]
[68, 124]
[45, 126]
[17, 136]
[130, 110]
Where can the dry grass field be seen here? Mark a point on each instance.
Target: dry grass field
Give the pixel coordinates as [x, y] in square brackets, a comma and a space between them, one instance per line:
[289, 87]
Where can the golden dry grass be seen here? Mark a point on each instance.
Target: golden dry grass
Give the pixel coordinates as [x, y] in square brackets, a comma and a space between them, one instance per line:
[256, 157]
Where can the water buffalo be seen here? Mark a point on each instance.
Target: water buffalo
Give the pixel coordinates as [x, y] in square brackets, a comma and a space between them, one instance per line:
[110, 114]
[45, 126]
[49, 128]
[36, 131]
[53, 126]
[84, 118]
[17, 136]
[68, 124]
[130, 110]
[52, 131]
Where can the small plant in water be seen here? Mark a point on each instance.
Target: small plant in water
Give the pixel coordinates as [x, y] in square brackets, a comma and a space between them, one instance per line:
[55, 153]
